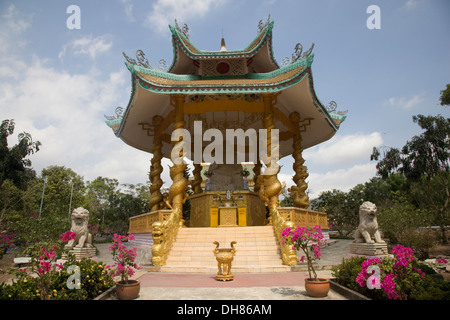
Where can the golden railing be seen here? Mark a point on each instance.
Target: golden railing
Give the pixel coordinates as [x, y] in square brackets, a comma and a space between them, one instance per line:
[143, 223]
[304, 217]
[163, 224]
[291, 217]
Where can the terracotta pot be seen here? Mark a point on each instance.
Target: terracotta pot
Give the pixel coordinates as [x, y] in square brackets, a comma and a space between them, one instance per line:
[128, 290]
[317, 288]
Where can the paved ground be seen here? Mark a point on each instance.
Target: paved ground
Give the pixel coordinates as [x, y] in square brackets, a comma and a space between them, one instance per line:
[245, 286]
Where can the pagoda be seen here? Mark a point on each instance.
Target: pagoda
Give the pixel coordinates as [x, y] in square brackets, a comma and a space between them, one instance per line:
[222, 90]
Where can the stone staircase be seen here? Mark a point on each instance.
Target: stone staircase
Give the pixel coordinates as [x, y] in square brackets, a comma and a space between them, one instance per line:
[257, 250]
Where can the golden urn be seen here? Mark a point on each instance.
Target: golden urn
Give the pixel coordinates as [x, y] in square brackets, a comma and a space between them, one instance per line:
[224, 259]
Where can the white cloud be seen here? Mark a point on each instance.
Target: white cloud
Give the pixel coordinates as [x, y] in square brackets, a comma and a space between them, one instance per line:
[12, 26]
[65, 113]
[343, 149]
[405, 103]
[128, 9]
[342, 179]
[164, 12]
[88, 46]
[411, 4]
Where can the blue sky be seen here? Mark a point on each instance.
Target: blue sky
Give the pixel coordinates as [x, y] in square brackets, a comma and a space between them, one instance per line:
[58, 84]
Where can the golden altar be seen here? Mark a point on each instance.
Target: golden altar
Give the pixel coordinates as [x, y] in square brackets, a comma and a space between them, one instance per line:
[214, 209]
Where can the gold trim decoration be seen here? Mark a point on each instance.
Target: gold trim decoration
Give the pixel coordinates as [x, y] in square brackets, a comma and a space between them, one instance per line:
[270, 185]
[156, 169]
[224, 259]
[220, 82]
[298, 191]
[197, 182]
[288, 255]
[304, 217]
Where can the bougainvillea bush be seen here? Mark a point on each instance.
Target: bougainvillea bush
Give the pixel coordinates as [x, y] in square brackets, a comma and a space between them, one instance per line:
[397, 277]
[124, 265]
[93, 281]
[50, 278]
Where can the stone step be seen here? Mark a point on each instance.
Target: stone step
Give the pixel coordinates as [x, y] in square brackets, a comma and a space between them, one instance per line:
[257, 250]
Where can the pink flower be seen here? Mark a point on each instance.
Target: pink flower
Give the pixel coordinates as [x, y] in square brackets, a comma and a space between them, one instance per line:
[67, 236]
[388, 285]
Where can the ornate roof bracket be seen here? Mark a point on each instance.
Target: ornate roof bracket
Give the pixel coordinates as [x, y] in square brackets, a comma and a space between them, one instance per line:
[262, 25]
[150, 128]
[119, 114]
[184, 31]
[142, 61]
[338, 116]
[297, 55]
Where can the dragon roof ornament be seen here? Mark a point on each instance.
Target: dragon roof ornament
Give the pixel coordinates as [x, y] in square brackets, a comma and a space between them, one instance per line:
[142, 61]
[297, 55]
[262, 25]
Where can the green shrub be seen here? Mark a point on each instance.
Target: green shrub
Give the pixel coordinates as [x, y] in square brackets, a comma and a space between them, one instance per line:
[420, 288]
[93, 276]
[346, 273]
[21, 289]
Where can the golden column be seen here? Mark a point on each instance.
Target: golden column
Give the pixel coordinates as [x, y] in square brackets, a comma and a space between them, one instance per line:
[156, 168]
[271, 184]
[197, 183]
[257, 172]
[298, 192]
[177, 191]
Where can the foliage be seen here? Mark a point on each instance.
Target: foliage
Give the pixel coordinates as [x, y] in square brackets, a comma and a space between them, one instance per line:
[58, 197]
[30, 230]
[111, 206]
[445, 96]
[14, 164]
[400, 277]
[341, 208]
[93, 276]
[44, 263]
[287, 201]
[309, 240]
[94, 281]
[403, 223]
[124, 264]
[424, 162]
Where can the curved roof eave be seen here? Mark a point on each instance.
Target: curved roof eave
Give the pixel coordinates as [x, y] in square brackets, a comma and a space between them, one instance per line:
[299, 70]
[188, 49]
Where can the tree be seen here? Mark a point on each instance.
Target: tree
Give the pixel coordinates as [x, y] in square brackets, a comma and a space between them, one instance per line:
[341, 209]
[13, 163]
[422, 160]
[445, 96]
[113, 204]
[58, 196]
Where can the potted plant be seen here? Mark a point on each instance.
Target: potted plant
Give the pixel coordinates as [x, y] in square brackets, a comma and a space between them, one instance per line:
[309, 240]
[124, 267]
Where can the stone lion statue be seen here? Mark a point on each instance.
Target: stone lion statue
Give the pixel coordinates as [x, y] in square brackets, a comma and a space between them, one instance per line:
[80, 218]
[368, 225]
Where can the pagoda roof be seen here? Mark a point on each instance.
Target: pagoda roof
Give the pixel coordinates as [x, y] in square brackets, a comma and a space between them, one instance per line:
[291, 84]
[259, 50]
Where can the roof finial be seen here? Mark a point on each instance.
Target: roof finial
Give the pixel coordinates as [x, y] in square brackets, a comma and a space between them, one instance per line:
[222, 43]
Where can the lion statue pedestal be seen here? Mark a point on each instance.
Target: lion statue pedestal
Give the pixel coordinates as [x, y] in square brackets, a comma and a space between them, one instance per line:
[81, 246]
[368, 240]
